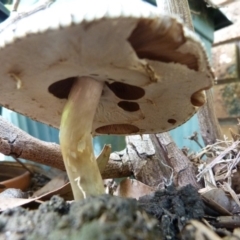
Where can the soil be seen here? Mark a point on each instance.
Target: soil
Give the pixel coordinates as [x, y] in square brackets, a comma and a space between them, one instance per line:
[173, 208]
[105, 217]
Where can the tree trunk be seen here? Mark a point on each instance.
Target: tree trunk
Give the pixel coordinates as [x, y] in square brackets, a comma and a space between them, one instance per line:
[208, 122]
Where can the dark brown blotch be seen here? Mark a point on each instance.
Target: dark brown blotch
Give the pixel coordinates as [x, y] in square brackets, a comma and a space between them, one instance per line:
[129, 106]
[125, 91]
[62, 88]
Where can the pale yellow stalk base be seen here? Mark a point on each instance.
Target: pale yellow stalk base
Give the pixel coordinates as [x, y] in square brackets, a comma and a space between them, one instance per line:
[76, 138]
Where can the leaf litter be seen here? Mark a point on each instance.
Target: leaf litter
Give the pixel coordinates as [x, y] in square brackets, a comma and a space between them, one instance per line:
[167, 211]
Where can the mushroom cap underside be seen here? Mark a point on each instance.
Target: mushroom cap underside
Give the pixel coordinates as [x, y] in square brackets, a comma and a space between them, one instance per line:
[155, 70]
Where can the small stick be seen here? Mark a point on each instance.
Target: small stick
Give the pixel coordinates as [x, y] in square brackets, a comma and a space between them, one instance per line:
[194, 137]
[22, 164]
[15, 5]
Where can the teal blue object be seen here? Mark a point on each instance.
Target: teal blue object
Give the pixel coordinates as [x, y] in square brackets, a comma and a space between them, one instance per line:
[34, 128]
[117, 143]
[4, 13]
[204, 27]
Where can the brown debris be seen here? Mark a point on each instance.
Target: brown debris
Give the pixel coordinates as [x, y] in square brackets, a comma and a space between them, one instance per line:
[131, 188]
[17, 143]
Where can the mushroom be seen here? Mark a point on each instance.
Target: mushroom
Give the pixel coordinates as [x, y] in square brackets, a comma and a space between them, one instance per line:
[117, 68]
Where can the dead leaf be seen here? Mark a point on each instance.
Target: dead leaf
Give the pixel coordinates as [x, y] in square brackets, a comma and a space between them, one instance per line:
[215, 206]
[131, 188]
[65, 190]
[228, 188]
[56, 183]
[219, 201]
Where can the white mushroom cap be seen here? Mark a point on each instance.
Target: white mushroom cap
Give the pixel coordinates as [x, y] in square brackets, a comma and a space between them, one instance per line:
[154, 68]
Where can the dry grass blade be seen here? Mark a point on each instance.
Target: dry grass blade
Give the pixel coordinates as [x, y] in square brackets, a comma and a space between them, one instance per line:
[218, 159]
[209, 178]
[232, 165]
[220, 174]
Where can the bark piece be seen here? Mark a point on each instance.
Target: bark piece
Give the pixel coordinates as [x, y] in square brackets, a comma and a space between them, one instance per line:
[157, 161]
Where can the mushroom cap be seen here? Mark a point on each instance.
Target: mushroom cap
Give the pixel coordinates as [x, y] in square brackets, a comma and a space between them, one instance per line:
[155, 69]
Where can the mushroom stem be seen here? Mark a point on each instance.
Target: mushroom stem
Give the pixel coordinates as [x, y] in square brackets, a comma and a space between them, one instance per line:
[76, 138]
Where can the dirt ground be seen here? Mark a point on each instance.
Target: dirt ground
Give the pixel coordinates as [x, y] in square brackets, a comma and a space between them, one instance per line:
[105, 217]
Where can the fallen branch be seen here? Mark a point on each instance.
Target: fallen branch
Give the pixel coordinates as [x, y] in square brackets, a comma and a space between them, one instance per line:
[137, 159]
[19, 144]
